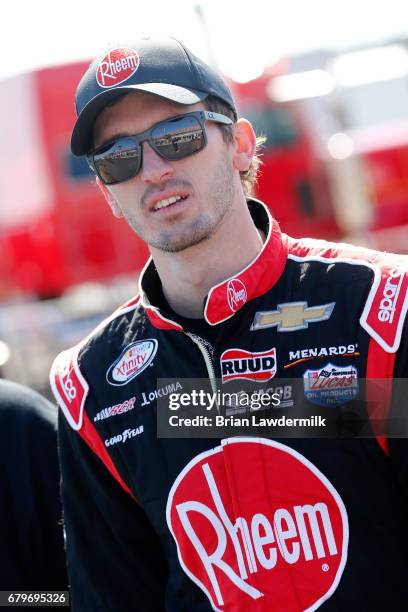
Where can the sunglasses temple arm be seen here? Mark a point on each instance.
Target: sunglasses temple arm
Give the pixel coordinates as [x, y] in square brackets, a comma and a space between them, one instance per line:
[210, 116]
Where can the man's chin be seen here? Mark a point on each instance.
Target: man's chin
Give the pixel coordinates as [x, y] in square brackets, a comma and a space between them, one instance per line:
[186, 238]
[178, 244]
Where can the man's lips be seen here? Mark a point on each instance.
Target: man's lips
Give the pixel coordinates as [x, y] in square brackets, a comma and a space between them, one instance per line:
[166, 199]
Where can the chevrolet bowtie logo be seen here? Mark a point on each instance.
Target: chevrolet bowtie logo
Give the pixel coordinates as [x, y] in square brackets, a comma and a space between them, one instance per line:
[292, 316]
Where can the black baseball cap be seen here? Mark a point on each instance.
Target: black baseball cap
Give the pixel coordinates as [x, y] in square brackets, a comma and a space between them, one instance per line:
[160, 65]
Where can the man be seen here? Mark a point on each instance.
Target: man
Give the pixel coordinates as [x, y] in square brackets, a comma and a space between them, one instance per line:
[249, 523]
[32, 548]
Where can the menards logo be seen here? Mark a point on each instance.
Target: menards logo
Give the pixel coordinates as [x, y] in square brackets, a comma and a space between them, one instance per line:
[301, 355]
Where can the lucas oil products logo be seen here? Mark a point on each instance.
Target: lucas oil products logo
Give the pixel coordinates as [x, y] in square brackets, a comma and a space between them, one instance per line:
[331, 385]
[131, 362]
[258, 526]
[237, 363]
[116, 67]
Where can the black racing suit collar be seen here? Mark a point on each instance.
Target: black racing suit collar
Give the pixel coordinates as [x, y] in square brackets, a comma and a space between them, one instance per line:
[229, 296]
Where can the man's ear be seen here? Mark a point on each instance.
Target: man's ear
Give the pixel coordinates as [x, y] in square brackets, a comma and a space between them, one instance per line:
[245, 144]
[109, 198]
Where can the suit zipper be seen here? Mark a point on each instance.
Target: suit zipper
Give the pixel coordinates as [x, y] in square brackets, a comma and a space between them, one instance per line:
[209, 365]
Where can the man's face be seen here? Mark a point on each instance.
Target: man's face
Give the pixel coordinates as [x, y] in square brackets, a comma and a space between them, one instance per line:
[206, 181]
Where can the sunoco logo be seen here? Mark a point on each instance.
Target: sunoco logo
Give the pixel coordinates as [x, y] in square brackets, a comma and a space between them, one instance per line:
[131, 362]
[117, 66]
[255, 520]
[237, 363]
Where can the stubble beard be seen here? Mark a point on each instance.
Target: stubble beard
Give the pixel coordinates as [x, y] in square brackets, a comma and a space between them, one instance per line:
[218, 199]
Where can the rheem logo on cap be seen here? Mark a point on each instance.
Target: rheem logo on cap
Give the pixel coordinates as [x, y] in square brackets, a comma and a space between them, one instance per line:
[254, 520]
[117, 66]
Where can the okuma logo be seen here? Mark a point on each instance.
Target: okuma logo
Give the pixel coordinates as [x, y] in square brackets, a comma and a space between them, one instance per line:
[131, 362]
[254, 520]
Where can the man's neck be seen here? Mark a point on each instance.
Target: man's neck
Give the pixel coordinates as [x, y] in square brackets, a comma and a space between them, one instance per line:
[188, 276]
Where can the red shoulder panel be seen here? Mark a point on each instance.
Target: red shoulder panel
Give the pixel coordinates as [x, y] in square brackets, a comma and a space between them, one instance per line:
[387, 302]
[71, 389]
[67, 383]
[69, 386]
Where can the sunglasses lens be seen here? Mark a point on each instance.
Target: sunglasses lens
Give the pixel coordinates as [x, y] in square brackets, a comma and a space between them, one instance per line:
[118, 162]
[178, 138]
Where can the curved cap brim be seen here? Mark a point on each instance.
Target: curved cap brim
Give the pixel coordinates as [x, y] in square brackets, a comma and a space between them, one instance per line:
[82, 132]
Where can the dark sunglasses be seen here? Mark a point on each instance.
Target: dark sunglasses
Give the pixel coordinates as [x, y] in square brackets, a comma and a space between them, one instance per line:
[172, 139]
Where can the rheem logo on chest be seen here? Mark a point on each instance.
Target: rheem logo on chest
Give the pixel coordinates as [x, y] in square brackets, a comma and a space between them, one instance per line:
[254, 519]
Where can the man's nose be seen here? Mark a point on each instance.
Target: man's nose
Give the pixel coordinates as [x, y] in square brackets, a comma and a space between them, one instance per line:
[155, 169]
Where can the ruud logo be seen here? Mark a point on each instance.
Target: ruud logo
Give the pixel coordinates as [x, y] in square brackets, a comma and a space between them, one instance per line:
[131, 362]
[116, 67]
[258, 526]
[237, 363]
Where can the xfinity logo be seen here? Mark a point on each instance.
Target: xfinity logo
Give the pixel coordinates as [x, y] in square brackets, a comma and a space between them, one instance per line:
[133, 360]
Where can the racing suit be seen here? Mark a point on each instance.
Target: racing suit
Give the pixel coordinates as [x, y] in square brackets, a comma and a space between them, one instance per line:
[246, 523]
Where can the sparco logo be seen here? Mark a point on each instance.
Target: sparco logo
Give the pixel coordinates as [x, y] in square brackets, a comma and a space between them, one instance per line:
[390, 295]
[117, 66]
[131, 362]
[255, 519]
[237, 363]
[237, 294]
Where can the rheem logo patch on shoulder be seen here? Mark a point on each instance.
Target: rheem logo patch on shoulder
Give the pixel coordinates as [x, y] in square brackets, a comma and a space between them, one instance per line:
[117, 66]
[131, 362]
[236, 294]
[255, 520]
